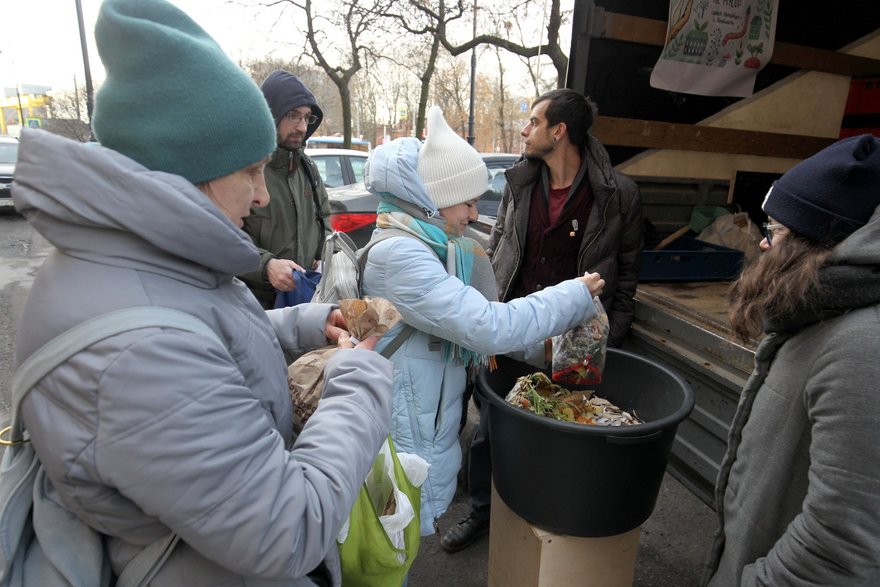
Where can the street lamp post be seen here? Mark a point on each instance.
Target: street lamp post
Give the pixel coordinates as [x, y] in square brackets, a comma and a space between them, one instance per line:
[20, 109]
[85, 54]
[17, 94]
[471, 137]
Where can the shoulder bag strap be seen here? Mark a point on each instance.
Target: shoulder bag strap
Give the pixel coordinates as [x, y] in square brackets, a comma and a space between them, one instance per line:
[307, 164]
[67, 344]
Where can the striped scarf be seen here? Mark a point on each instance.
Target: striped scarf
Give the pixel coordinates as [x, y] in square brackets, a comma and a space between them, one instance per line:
[463, 257]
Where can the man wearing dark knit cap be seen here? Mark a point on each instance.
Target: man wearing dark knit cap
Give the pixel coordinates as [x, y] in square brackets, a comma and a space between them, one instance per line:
[290, 231]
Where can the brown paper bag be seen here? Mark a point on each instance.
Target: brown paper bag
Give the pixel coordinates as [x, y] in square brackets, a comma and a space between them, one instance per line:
[305, 376]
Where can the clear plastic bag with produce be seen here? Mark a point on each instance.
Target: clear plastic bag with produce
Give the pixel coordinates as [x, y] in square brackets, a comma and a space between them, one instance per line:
[579, 354]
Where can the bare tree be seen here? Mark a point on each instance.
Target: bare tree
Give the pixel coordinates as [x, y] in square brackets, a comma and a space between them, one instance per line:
[415, 18]
[354, 18]
[67, 113]
[501, 120]
[551, 48]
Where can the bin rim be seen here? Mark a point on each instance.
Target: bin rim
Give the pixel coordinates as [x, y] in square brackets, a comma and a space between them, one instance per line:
[661, 424]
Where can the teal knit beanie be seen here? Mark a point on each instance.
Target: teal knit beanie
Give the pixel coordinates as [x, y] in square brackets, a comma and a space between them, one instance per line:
[172, 100]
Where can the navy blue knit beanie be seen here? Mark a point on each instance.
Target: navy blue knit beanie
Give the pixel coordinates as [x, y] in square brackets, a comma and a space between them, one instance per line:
[830, 195]
[172, 100]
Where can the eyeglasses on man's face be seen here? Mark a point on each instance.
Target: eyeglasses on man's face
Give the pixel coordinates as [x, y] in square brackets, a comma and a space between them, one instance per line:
[768, 231]
[297, 117]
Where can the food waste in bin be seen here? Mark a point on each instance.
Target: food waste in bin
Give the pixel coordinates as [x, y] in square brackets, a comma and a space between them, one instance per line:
[538, 394]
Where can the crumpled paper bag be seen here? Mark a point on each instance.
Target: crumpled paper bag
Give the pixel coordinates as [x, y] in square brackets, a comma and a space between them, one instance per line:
[305, 376]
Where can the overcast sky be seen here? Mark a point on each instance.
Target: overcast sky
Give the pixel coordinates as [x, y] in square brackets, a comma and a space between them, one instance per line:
[40, 41]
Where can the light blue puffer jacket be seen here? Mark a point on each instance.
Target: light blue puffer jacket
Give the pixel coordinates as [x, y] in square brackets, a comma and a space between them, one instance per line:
[427, 390]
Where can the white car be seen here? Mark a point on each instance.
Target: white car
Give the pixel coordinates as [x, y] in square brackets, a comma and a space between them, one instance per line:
[339, 167]
[8, 157]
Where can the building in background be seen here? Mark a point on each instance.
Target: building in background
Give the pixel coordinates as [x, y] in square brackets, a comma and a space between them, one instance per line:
[28, 104]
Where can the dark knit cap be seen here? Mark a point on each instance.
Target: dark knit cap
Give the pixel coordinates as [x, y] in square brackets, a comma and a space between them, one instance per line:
[830, 195]
[285, 92]
[172, 100]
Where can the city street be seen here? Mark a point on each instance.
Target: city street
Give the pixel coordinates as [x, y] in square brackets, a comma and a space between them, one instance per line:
[674, 541]
[22, 251]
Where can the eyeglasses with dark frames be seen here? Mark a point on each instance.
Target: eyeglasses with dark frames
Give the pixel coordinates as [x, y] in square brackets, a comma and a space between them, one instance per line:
[296, 117]
[768, 231]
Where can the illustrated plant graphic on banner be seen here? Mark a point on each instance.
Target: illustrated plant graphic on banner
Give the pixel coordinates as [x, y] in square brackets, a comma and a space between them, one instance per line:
[716, 47]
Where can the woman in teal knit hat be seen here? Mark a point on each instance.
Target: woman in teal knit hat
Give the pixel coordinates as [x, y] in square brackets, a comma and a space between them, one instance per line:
[161, 430]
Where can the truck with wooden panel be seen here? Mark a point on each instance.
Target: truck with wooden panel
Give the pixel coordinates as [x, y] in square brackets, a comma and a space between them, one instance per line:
[686, 151]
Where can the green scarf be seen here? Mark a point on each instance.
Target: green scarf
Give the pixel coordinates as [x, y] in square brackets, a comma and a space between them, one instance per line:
[463, 257]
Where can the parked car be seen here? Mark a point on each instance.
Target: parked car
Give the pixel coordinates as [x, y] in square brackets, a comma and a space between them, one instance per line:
[339, 167]
[353, 208]
[497, 164]
[8, 157]
[319, 142]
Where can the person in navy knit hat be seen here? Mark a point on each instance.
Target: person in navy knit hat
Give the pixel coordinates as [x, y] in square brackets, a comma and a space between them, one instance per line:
[798, 492]
[831, 194]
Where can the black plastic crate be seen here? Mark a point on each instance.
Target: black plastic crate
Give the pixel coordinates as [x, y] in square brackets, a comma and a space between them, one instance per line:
[689, 259]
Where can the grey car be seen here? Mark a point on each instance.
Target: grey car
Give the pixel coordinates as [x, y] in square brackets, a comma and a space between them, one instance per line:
[353, 208]
[8, 157]
[339, 167]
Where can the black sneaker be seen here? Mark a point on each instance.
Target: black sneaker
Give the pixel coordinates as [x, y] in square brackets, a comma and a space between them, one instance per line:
[465, 532]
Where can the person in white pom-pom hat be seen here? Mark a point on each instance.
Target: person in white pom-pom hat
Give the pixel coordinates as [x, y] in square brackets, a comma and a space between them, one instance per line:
[443, 285]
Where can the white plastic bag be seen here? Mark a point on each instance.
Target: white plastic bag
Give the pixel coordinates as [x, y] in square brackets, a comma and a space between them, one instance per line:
[735, 231]
[381, 482]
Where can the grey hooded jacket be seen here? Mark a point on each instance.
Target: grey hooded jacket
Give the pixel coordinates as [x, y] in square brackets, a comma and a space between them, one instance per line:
[797, 492]
[161, 429]
[611, 244]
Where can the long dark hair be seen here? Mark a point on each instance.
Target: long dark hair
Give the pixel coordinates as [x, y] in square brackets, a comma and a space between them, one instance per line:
[778, 284]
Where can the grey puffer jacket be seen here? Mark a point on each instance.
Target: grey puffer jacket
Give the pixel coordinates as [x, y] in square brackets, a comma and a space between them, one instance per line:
[161, 429]
[797, 492]
[611, 244]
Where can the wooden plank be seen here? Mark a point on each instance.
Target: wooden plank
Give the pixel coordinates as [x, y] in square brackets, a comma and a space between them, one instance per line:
[647, 31]
[648, 134]
[826, 61]
[634, 29]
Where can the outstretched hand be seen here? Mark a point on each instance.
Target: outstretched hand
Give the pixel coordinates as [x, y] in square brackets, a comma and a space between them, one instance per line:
[594, 283]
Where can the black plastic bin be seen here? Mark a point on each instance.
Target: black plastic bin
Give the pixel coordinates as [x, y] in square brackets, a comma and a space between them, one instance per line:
[581, 480]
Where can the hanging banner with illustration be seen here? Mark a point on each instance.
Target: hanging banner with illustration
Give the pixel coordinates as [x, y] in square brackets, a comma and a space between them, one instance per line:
[716, 47]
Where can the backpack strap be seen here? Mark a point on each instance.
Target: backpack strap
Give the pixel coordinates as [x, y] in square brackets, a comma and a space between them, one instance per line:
[398, 340]
[82, 336]
[385, 234]
[140, 569]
